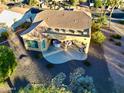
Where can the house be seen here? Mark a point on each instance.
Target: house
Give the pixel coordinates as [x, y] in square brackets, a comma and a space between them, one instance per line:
[59, 28]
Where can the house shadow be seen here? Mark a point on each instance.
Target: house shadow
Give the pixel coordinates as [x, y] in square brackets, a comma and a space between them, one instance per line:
[29, 16]
[19, 83]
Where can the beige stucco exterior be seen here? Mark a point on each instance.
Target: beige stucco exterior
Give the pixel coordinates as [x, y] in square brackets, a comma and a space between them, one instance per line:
[39, 38]
[71, 26]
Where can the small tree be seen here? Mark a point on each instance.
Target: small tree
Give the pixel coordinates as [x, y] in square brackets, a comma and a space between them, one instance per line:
[98, 3]
[98, 37]
[113, 4]
[7, 62]
[33, 2]
[102, 20]
[82, 1]
[96, 26]
[74, 2]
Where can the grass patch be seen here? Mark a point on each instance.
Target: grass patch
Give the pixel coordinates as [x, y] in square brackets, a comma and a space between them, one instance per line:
[50, 65]
[87, 63]
[37, 56]
[116, 36]
[118, 43]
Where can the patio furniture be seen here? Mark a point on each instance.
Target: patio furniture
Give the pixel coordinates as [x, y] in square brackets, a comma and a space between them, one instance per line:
[56, 43]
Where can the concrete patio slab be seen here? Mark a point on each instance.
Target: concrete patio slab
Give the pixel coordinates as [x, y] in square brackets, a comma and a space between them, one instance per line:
[58, 55]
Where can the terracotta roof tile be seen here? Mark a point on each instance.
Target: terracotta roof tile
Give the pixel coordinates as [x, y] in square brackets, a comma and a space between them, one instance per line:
[65, 19]
[19, 10]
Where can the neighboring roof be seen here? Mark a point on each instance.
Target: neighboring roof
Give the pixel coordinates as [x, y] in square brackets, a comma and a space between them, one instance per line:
[19, 10]
[2, 7]
[65, 19]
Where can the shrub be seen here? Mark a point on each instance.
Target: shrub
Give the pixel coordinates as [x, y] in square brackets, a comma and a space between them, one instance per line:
[102, 20]
[50, 65]
[98, 37]
[121, 22]
[38, 56]
[118, 43]
[74, 2]
[24, 26]
[87, 63]
[82, 1]
[96, 26]
[4, 35]
[98, 3]
[116, 36]
[7, 63]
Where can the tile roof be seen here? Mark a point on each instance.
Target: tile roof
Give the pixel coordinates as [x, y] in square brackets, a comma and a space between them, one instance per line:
[65, 19]
[19, 10]
[2, 7]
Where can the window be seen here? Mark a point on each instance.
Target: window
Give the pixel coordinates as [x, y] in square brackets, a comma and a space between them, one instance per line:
[32, 43]
[43, 44]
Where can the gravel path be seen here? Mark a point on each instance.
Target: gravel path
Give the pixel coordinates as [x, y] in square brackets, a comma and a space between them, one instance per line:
[27, 70]
[98, 70]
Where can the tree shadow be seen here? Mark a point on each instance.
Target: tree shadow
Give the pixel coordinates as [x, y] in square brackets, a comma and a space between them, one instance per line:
[19, 83]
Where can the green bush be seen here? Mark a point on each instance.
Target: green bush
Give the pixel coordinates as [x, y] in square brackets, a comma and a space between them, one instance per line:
[24, 26]
[118, 43]
[82, 1]
[74, 2]
[96, 26]
[4, 35]
[50, 65]
[98, 37]
[98, 3]
[7, 63]
[38, 56]
[121, 22]
[87, 63]
[103, 20]
[116, 36]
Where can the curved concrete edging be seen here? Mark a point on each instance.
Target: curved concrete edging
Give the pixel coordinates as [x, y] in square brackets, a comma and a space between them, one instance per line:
[63, 57]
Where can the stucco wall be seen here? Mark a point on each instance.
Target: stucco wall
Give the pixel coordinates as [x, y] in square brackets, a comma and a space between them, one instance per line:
[85, 40]
[39, 44]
